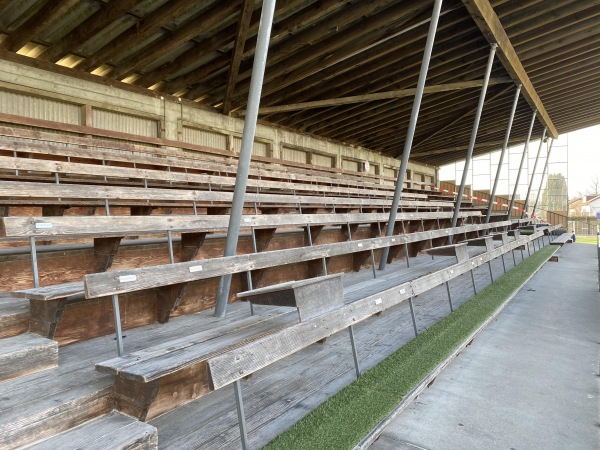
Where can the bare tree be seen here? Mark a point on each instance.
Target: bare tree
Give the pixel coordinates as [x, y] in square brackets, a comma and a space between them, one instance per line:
[595, 185]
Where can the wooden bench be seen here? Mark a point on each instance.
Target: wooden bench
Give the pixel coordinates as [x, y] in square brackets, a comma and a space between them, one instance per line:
[116, 174]
[565, 238]
[172, 280]
[311, 297]
[164, 377]
[213, 161]
[555, 257]
[14, 193]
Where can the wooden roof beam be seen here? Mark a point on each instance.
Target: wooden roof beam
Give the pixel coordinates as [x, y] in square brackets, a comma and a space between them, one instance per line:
[36, 23]
[238, 52]
[486, 19]
[180, 36]
[107, 14]
[399, 93]
[134, 34]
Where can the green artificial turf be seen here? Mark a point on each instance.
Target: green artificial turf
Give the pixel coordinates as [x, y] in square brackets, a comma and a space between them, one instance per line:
[348, 416]
[587, 240]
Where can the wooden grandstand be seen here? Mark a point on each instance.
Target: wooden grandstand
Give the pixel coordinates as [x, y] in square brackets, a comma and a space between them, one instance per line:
[121, 144]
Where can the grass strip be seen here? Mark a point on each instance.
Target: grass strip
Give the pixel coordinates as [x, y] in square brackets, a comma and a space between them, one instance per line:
[345, 418]
[587, 240]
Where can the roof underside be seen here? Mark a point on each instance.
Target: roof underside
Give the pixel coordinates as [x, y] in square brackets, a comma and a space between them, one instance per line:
[327, 49]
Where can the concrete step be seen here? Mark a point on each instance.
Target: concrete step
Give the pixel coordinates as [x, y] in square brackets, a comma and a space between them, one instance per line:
[26, 353]
[113, 431]
[14, 316]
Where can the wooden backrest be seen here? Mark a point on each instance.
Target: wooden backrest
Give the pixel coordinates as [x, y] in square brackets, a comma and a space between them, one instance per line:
[207, 181]
[33, 190]
[130, 280]
[102, 226]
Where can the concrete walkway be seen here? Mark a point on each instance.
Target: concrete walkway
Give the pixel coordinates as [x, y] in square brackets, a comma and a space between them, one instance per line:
[529, 380]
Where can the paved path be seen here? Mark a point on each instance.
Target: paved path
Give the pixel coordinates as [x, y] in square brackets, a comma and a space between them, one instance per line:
[529, 380]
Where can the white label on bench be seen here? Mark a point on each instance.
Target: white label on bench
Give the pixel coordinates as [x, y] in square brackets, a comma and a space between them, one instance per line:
[472, 263]
[451, 271]
[393, 240]
[127, 278]
[378, 301]
[247, 220]
[359, 245]
[402, 291]
[195, 269]
[39, 225]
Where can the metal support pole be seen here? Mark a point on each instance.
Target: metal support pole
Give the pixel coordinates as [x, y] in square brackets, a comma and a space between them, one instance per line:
[514, 258]
[354, 352]
[522, 255]
[491, 273]
[473, 280]
[412, 124]
[503, 263]
[523, 156]
[373, 263]
[449, 296]
[195, 208]
[537, 157]
[239, 404]
[170, 242]
[405, 246]
[117, 316]
[412, 314]
[34, 263]
[106, 207]
[241, 180]
[537, 198]
[503, 153]
[463, 181]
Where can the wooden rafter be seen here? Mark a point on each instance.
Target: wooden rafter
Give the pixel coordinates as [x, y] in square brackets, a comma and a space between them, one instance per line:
[238, 52]
[488, 22]
[139, 31]
[399, 93]
[180, 36]
[106, 15]
[36, 23]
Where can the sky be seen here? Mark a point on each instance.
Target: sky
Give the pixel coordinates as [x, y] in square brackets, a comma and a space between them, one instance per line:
[584, 159]
[576, 155]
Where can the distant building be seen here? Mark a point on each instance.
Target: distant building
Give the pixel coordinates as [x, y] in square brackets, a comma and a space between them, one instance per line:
[586, 205]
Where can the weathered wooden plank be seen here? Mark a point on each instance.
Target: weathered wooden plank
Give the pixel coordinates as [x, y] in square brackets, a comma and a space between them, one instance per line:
[245, 360]
[488, 22]
[102, 226]
[57, 291]
[69, 168]
[114, 431]
[311, 297]
[97, 285]
[26, 353]
[12, 189]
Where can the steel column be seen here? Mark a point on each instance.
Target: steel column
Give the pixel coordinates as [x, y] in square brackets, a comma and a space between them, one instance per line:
[449, 296]
[412, 124]
[463, 181]
[117, 316]
[34, 262]
[503, 153]
[412, 314]
[354, 352]
[523, 156]
[239, 404]
[241, 180]
[537, 198]
[537, 157]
